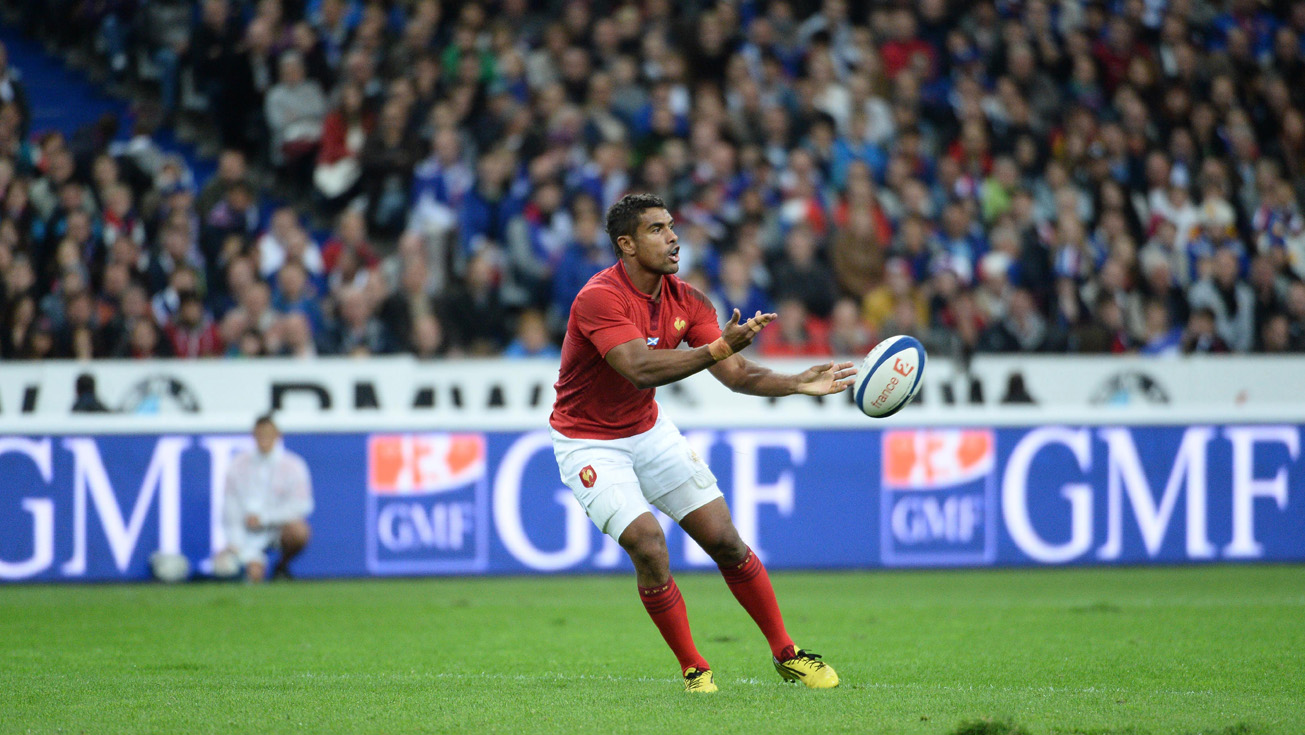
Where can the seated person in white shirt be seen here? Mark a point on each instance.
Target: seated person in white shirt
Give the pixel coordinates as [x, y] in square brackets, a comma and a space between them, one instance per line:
[269, 494]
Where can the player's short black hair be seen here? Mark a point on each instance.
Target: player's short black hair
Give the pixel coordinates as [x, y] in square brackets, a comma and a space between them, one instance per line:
[265, 419]
[623, 217]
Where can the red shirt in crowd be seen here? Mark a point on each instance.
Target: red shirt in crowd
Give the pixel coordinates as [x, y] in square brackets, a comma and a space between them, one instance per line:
[199, 341]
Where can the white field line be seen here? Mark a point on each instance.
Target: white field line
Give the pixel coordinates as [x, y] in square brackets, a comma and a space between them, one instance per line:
[746, 681]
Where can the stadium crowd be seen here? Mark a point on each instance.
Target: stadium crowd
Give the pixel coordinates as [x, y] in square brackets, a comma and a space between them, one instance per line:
[996, 175]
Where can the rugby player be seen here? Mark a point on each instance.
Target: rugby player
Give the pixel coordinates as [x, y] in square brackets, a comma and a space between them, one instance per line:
[618, 452]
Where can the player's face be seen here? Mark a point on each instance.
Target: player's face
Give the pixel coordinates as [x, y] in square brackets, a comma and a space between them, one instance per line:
[656, 246]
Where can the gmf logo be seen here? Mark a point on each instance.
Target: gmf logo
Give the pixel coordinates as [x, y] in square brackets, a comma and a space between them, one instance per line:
[938, 499]
[587, 476]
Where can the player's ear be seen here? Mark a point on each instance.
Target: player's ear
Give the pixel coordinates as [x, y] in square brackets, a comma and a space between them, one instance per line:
[626, 244]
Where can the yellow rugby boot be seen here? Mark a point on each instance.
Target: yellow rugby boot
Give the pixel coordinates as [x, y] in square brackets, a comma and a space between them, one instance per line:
[806, 667]
[699, 680]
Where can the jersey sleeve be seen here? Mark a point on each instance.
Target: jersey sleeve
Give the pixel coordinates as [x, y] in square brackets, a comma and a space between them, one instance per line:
[704, 324]
[601, 317]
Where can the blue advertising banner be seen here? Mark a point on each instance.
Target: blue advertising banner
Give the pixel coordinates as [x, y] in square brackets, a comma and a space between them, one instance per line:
[96, 507]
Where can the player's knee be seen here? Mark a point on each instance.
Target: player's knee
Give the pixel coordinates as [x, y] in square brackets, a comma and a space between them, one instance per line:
[255, 572]
[725, 546]
[295, 535]
[646, 545]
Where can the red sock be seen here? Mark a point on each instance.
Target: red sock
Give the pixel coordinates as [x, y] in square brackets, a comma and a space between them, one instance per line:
[750, 584]
[665, 606]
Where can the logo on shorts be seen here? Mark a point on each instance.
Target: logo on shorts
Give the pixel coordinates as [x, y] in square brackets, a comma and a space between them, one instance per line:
[680, 323]
[587, 476]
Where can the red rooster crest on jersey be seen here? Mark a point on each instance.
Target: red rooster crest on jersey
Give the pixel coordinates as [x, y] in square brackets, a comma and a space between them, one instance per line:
[587, 476]
[680, 324]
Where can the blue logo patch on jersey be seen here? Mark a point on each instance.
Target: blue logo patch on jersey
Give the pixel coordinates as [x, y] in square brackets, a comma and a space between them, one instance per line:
[652, 341]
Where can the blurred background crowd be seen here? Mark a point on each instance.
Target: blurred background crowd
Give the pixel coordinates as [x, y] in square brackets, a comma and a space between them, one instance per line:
[431, 177]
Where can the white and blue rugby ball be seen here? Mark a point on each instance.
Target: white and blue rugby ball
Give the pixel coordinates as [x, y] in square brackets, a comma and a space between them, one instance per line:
[889, 376]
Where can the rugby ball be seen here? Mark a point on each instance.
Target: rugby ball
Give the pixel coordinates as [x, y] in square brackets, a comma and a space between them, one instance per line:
[169, 567]
[889, 376]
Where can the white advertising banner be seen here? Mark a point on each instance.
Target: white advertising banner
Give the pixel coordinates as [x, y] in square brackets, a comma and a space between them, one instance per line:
[346, 393]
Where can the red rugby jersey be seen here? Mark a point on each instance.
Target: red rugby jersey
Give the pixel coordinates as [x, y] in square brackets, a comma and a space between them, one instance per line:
[593, 400]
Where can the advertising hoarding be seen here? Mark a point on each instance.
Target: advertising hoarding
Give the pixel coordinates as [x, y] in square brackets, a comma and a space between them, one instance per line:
[95, 507]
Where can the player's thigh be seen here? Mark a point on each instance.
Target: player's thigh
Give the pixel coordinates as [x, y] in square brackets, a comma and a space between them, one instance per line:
[664, 461]
[615, 506]
[695, 493]
[601, 476]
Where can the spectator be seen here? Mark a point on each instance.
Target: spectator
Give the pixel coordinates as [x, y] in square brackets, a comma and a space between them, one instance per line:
[532, 338]
[859, 251]
[1232, 302]
[799, 334]
[296, 294]
[387, 163]
[115, 334]
[536, 242]
[898, 289]
[144, 341]
[1022, 330]
[243, 81]
[799, 275]
[338, 174]
[737, 290]
[439, 183]
[475, 315]
[350, 237]
[410, 303]
[181, 282]
[232, 169]
[285, 240]
[292, 336]
[78, 314]
[296, 110]
[191, 330]
[235, 214]
[1275, 335]
[358, 331]
[1161, 338]
[255, 308]
[267, 499]
[428, 338]
[849, 336]
[20, 323]
[1201, 336]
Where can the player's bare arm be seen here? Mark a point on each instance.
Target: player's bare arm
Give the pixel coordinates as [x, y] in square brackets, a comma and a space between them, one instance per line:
[647, 368]
[744, 376]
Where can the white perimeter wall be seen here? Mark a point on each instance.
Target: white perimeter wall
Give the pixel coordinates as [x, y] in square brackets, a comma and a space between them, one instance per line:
[343, 394]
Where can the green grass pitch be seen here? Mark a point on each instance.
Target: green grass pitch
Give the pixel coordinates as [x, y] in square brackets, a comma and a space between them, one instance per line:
[1217, 649]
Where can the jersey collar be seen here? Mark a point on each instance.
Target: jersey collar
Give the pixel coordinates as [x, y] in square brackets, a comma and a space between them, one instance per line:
[625, 279]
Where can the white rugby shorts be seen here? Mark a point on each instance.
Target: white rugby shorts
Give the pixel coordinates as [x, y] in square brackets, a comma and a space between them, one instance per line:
[614, 480]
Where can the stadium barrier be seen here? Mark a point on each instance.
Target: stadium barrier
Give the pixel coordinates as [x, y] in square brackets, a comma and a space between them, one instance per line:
[207, 394]
[85, 506]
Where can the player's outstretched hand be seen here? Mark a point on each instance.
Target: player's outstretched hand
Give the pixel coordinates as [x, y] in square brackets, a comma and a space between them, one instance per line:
[738, 336]
[827, 379]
